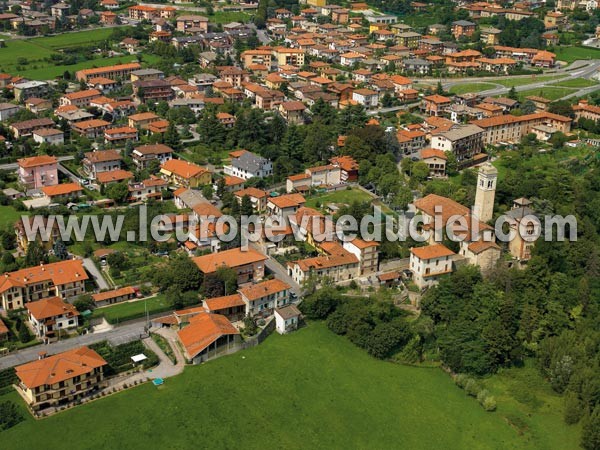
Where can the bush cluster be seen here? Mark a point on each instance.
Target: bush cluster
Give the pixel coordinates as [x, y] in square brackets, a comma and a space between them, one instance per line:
[474, 389]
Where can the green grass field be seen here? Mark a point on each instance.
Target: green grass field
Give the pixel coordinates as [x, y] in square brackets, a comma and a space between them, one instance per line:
[471, 87]
[344, 196]
[310, 389]
[576, 83]
[229, 16]
[9, 215]
[551, 93]
[509, 82]
[570, 54]
[38, 49]
[132, 310]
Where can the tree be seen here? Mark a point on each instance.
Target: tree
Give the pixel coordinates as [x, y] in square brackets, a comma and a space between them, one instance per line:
[84, 302]
[562, 108]
[439, 90]
[35, 254]
[246, 208]
[208, 191]
[528, 107]
[512, 93]
[171, 136]
[117, 191]
[24, 334]
[60, 249]
[590, 436]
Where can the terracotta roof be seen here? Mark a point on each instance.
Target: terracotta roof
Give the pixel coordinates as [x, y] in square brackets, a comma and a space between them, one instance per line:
[184, 169]
[153, 149]
[50, 307]
[227, 301]
[3, 328]
[438, 99]
[61, 189]
[35, 161]
[143, 116]
[325, 262]
[203, 330]
[83, 94]
[93, 123]
[431, 251]
[287, 200]
[231, 180]
[113, 175]
[103, 156]
[102, 296]
[433, 153]
[234, 257]
[59, 367]
[388, 276]
[481, 245]
[251, 192]
[259, 290]
[364, 244]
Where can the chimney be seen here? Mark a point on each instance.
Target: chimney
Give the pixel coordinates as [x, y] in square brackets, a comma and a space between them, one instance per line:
[42, 355]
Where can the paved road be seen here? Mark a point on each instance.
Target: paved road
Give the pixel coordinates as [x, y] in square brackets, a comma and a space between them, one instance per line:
[15, 166]
[96, 274]
[118, 335]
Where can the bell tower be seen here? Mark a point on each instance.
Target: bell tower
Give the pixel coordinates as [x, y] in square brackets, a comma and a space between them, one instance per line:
[486, 191]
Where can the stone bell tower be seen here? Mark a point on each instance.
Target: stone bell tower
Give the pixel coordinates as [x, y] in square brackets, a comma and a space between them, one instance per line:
[486, 190]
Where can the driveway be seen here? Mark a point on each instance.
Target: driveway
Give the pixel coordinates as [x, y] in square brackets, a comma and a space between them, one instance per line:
[96, 274]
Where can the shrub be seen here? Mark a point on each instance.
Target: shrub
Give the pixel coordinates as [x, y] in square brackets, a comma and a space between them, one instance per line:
[573, 408]
[471, 387]
[489, 404]
[482, 395]
[9, 415]
[461, 380]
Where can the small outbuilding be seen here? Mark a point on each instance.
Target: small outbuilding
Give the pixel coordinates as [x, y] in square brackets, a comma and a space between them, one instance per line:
[287, 318]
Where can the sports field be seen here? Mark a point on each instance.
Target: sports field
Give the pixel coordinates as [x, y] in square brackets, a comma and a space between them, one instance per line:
[310, 389]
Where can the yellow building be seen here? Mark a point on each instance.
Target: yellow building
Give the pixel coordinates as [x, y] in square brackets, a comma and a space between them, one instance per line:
[185, 174]
[318, 3]
[289, 56]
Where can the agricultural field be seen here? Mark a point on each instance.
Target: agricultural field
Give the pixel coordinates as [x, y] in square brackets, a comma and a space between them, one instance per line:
[335, 395]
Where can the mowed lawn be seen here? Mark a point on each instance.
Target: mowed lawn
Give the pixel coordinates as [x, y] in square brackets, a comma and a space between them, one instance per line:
[310, 389]
[9, 215]
[551, 93]
[522, 81]
[346, 196]
[471, 87]
[570, 54]
[576, 83]
[132, 309]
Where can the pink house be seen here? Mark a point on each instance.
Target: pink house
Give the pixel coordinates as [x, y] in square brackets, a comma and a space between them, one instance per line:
[38, 171]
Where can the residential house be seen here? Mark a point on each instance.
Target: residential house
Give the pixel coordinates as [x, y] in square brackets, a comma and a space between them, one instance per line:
[53, 381]
[143, 155]
[120, 135]
[184, 173]
[263, 297]
[292, 112]
[462, 28]
[27, 127]
[258, 197]
[436, 161]
[65, 279]
[246, 165]
[92, 129]
[38, 171]
[464, 141]
[51, 136]
[192, 24]
[153, 90]
[49, 316]
[151, 188]
[339, 265]
[287, 318]
[38, 105]
[62, 192]
[285, 205]
[27, 89]
[366, 97]
[248, 265]
[429, 263]
[114, 176]
[367, 254]
[117, 72]
[8, 110]
[435, 105]
[101, 161]
[80, 98]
